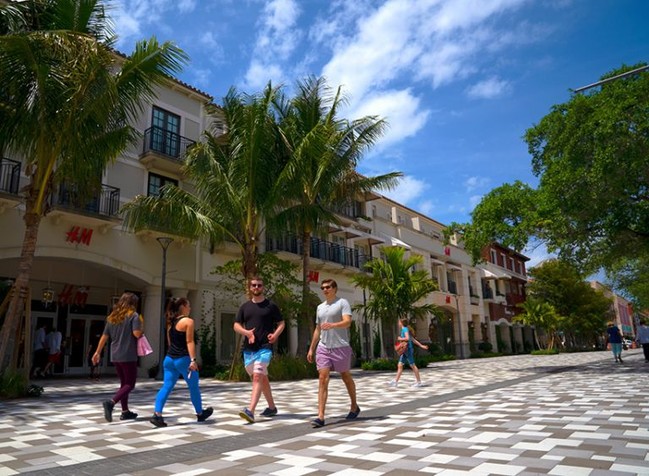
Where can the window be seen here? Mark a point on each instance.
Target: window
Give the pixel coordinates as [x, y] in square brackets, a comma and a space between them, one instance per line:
[165, 134]
[493, 257]
[156, 182]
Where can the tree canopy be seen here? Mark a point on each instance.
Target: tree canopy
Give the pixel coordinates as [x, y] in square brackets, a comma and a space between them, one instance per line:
[591, 206]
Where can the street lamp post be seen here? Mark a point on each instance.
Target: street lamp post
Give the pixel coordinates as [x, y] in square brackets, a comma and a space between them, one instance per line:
[164, 243]
[459, 327]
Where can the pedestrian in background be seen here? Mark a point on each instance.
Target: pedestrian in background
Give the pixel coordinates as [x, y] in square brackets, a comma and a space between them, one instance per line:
[333, 352]
[180, 361]
[261, 323]
[642, 338]
[123, 328]
[53, 344]
[407, 335]
[614, 338]
[40, 351]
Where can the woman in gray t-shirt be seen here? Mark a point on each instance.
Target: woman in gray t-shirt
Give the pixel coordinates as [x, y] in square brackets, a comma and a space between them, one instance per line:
[123, 328]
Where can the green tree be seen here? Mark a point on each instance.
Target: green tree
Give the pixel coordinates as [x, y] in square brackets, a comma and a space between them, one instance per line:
[395, 288]
[541, 315]
[584, 310]
[67, 103]
[232, 180]
[320, 176]
[591, 204]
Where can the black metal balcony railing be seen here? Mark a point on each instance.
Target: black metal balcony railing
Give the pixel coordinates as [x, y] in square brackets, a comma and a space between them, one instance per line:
[157, 139]
[487, 293]
[104, 203]
[351, 210]
[9, 176]
[320, 249]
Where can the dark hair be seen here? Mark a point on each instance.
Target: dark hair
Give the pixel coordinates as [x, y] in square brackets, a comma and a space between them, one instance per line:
[330, 281]
[173, 308]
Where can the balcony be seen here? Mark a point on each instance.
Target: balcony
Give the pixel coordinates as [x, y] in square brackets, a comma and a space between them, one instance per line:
[320, 249]
[100, 207]
[163, 149]
[487, 293]
[9, 179]
[452, 287]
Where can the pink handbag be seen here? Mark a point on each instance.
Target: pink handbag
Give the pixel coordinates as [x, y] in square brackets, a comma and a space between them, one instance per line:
[143, 346]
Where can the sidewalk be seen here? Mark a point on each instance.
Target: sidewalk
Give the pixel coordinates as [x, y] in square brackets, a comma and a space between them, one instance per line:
[570, 414]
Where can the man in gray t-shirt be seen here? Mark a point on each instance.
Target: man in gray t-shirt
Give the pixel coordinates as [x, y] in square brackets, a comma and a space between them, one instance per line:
[333, 352]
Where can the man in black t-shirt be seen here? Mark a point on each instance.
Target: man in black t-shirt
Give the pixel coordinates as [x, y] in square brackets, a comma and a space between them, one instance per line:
[260, 322]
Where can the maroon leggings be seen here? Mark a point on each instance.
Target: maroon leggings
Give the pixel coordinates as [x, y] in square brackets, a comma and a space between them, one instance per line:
[127, 373]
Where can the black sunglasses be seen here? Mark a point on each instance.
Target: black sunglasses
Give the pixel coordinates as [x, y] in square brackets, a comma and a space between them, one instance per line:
[255, 285]
[325, 287]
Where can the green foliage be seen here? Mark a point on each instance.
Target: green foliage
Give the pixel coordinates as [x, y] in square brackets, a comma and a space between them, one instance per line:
[421, 361]
[355, 339]
[280, 282]
[379, 364]
[545, 351]
[485, 347]
[394, 288]
[377, 346]
[282, 367]
[578, 308]
[207, 341]
[590, 207]
[15, 385]
[484, 355]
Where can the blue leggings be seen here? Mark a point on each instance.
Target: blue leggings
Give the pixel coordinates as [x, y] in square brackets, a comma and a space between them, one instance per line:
[616, 349]
[173, 368]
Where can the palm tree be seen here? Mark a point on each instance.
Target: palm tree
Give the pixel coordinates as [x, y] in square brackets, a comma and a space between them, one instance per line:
[541, 315]
[395, 287]
[320, 174]
[66, 105]
[232, 178]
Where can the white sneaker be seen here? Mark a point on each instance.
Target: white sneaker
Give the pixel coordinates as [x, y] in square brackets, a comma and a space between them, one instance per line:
[417, 384]
[393, 383]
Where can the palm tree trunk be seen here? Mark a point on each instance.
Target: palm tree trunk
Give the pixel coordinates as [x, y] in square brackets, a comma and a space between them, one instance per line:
[305, 324]
[12, 319]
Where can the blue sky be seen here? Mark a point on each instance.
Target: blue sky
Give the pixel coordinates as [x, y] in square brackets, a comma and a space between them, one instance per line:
[459, 81]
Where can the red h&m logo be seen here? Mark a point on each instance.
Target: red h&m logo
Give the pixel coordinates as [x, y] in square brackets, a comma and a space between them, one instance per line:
[448, 299]
[72, 295]
[447, 251]
[79, 235]
[313, 276]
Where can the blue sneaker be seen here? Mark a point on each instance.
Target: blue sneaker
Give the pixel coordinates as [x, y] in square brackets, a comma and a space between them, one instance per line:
[269, 412]
[247, 415]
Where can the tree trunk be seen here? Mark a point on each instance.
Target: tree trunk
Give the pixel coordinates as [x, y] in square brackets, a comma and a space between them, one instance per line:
[21, 287]
[305, 325]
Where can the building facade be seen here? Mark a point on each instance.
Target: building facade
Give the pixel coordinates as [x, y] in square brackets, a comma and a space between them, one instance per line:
[85, 259]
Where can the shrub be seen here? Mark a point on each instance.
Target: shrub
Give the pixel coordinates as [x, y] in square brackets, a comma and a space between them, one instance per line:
[282, 367]
[485, 346]
[14, 385]
[545, 351]
[482, 355]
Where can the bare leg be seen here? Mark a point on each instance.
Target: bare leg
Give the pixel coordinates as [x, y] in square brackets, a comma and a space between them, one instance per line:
[351, 389]
[257, 386]
[266, 391]
[415, 370]
[399, 372]
[323, 391]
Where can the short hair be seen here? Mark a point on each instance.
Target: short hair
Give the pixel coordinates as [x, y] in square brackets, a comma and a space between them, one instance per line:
[255, 278]
[330, 281]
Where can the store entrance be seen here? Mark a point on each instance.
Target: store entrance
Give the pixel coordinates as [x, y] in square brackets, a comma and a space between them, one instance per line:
[84, 333]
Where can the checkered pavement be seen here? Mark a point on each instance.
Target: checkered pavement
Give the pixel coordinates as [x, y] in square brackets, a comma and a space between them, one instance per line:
[569, 414]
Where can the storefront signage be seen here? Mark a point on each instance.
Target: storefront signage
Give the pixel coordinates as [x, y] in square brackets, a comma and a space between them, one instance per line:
[74, 295]
[79, 235]
[313, 276]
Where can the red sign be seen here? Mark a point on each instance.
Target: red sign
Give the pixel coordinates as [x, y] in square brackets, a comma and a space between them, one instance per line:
[79, 235]
[447, 251]
[313, 276]
[72, 295]
[448, 299]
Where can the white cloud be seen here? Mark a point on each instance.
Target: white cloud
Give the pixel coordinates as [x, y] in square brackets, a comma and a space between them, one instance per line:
[488, 88]
[537, 253]
[408, 190]
[400, 109]
[185, 6]
[276, 41]
[426, 207]
[473, 183]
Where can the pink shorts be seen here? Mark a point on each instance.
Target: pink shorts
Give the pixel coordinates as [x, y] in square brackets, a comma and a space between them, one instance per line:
[338, 359]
